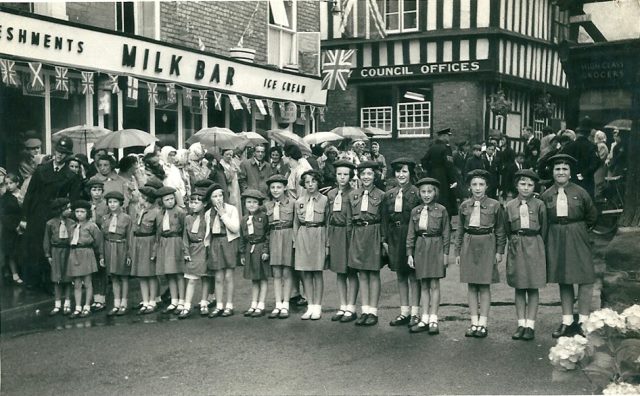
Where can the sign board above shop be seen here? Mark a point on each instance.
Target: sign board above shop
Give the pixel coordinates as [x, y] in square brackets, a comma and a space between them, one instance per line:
[63, 44]
[421, 70]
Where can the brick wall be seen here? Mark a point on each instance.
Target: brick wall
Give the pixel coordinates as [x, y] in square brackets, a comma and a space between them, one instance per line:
[342, 109]
[459, 105]
[219, 24]
[93, 14]
[308, 16]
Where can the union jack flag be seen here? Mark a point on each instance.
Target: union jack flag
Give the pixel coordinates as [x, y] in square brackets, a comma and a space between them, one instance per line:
[37, 83]
[203, 98]
[132, 88]
[8, 68]
[62, 80]
[87, 83]
[336, 69]
[113, 83]
[217, 96]
[152, 95]
[171, 93]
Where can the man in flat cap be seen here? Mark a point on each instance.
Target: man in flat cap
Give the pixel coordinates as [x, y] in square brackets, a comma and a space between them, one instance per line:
[438, 164]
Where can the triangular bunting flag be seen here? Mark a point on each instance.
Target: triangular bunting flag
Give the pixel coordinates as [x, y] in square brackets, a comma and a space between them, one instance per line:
[282, 107]
[217, 98]
[247, 103]
[8, 68]
[203, 98]
[87, 83]
[37, 83]
[132, 88]
[171, 93]
[270, 106]
[235, 103]
[321, 113]
[113, 83]
[62, 79]
[260, 105]
[153, 92]
[303, 112]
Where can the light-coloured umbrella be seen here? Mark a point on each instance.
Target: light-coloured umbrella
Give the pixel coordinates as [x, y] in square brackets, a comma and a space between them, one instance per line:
[221, 138]
[372, 131]
[621, 124]
[254, 137]
[82, 133]
[283, 137]
[348, 132]
[125, 138]
[321, 137]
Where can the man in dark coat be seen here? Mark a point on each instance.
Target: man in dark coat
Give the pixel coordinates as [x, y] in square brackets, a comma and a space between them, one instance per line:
[52, 179]
[493, 166]
[586, 155]
[531, 147]
[438, 163]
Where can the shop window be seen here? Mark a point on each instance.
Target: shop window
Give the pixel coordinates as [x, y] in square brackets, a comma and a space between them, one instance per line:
[136, 112]
[414, 118]
[401, 15]
[141, 18]
[283, 46]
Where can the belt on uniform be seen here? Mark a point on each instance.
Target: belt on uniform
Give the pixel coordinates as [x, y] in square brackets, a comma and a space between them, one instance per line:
[281, 226]
[479, 231]
[429, 234]
[144, 234]
[195, 240]
[564, 220]
[337, 225]
[397, 223]
[526, 232]
[218, 235]
[115, 240]
[256, 241]
[81, 246]
[363, 223]
[170, 234]
[60, 245]
[312, 225]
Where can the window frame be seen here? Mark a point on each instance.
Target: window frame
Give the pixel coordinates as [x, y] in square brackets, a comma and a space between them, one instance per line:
[399, 115]
[282, 30]
[378, 109]
[401, 17]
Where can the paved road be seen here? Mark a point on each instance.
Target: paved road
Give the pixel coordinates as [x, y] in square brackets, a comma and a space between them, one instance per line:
[237, 355]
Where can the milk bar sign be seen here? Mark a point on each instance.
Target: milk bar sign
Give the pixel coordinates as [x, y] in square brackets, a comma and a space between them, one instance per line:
[62, 44]
[427, 69]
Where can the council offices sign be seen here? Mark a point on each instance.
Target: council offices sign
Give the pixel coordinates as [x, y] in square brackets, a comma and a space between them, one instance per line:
[427, 69]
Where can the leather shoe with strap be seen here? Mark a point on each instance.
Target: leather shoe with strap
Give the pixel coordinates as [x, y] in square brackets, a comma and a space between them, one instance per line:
[528, 335]
[562, 331]
[360, 321]
[400, 320]
[518, 334]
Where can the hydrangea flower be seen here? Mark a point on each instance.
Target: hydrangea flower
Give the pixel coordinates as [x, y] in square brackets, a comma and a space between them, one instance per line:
[602, 317]
[622, 388]
[631, 316]
[568, 352]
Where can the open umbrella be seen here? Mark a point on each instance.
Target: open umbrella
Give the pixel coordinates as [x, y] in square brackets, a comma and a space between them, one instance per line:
[621, 124]
[348, 132]
[125, 138]
[321, 137]
[372, 131]
[253, 137]
[82, 133]
[283, 137]
[221, 138]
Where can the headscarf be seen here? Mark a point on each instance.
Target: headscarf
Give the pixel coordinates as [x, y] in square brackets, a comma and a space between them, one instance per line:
[196, 152]
[164, 153]
[182, 158]
[600, 137]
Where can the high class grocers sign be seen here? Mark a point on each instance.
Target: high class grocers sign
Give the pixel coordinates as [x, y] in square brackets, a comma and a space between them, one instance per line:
[59, 43]
[423, 70]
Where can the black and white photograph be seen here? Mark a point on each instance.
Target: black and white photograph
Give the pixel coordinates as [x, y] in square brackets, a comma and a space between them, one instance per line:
[320, 197]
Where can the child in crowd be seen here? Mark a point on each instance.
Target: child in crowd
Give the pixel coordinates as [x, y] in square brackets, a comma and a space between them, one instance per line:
[195, 251]
[480, 243]
[280, 210]
[428, 251]
[254, 250]
[143, 248]
[399, 202]
[222, 239]
[311, 240]
[85, 248]
[366, 206]
[98, 210]
[56, 250]
[10, 215]
[525, 225]
[170, 251]
[116, 228]
[338, 237]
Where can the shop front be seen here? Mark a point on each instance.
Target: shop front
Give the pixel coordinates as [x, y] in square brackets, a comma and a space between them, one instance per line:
[57, 74]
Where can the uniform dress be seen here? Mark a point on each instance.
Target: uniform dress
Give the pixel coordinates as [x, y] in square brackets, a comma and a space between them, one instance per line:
[116, 243]
[195, 229]
[525, 226]
[569, 259]
[254, 242]
[56, 247]
[396, 222]
[222, 243]
[478, 242]
[281, 231]
[311, 232]
[367, 233]
[98, 210]
[428, 240]
[144, 243]
[338, 231]
[84, 251]
[99, 278]
[170, 257]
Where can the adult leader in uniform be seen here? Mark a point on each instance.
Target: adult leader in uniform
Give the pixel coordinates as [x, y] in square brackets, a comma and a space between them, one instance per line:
[438, 163]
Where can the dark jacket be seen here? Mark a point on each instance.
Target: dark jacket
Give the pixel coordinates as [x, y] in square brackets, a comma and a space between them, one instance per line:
[438, 164]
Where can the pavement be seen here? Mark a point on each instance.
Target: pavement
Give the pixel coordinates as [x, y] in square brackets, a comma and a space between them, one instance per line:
[160, 354]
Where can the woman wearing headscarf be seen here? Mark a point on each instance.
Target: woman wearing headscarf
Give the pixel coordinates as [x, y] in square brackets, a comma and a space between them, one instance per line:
[182, 162]
[197, 167]
[173, 177]
[600, 139]
[231, 170]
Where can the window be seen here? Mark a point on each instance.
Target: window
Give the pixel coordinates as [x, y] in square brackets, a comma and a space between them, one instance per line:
[283, 46]
[54, 9]
[414, 118]
[377, 117]
[401, 15]
[141, 18]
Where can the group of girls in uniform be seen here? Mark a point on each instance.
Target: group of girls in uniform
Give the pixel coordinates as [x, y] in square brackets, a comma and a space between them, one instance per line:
[350, 231]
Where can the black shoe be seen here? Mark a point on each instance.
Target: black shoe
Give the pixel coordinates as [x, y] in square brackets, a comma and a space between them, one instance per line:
[518, 334]
[563, 331]
[363, 318]
[400, 320]
[528, 335]
[577, 329]
[414, 320]
[419, 328]
[481, 332]
[371, 320]
[348, 317]
[471, 331]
